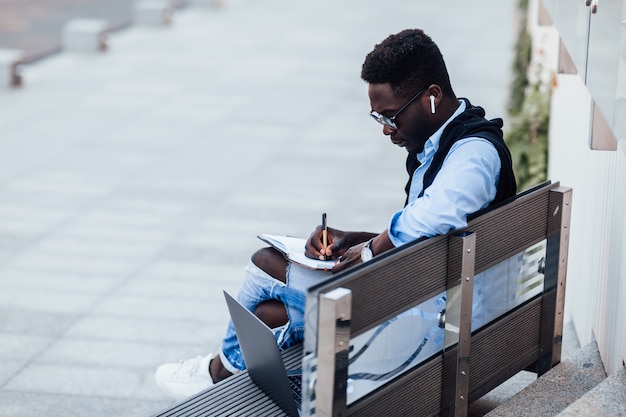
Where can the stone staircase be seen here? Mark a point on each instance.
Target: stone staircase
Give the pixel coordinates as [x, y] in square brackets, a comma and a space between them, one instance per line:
[578, 386]
[607, 399]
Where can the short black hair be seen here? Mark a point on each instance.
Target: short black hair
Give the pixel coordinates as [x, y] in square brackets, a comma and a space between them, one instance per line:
[408, 61]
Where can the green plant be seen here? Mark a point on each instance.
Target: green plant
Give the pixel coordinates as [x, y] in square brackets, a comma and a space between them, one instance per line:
[529, 110]
[528, 138]
[521, 61]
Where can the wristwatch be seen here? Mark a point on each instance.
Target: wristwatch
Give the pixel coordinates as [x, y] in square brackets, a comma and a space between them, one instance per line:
[366, 252]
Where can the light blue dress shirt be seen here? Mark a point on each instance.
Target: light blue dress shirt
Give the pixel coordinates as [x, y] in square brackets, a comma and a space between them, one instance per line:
[466, 183]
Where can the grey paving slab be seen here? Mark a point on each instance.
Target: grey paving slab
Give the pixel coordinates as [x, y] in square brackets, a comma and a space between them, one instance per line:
[27, 280]
[95, 353]
[44, 323]
[133, 183]
[44, 405]
[22, 346]
[124, 328]
[8, 369]
[86, 381]
[47, 301]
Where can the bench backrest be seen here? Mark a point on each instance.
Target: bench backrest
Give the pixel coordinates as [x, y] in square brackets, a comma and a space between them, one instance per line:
[530, 229]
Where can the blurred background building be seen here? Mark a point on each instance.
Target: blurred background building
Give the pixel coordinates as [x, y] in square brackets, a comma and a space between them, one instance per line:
[36, 26]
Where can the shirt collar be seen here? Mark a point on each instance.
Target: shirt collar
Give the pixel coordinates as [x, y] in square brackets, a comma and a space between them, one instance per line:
[432, 144]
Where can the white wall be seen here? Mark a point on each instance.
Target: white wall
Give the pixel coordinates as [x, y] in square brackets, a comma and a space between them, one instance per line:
[596, 280]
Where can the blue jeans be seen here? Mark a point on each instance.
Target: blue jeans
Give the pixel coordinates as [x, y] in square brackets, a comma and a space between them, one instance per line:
[258, 286]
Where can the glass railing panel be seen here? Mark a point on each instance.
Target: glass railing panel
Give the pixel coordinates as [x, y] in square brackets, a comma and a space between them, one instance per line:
[384, 352]
[398, 345]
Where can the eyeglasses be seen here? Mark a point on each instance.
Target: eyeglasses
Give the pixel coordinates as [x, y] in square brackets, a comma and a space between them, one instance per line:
[390, 121]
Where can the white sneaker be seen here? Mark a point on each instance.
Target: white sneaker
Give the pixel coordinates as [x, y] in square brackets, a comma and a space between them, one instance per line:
[185, 378]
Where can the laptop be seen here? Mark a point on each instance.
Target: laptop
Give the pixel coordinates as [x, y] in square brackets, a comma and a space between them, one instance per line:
[263, 359]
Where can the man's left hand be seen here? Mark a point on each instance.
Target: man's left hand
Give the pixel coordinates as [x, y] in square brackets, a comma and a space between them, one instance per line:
[350, 258]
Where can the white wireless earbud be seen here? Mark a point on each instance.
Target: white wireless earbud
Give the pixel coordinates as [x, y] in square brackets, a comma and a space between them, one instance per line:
[432, 104]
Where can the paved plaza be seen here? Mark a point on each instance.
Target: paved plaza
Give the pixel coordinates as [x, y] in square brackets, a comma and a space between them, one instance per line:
[133, 182]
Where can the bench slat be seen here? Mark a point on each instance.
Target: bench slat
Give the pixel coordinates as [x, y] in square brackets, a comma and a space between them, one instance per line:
[235, 396]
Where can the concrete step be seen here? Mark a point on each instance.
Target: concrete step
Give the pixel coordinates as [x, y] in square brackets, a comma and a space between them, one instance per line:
[557, 389]
[606, 399]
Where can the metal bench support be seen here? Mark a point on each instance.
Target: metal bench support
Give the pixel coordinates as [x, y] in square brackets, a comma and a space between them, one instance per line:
[333, 346]
[465, 328]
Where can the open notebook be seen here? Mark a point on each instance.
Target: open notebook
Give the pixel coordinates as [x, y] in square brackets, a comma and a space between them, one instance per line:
[293, 248]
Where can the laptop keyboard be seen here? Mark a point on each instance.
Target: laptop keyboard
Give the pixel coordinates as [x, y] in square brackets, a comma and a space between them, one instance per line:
[295, 382]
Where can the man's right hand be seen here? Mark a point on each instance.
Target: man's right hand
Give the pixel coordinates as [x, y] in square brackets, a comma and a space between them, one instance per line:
[336, 244]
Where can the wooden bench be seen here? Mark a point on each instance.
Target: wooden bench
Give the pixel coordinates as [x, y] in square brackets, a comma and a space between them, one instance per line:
[516, 252]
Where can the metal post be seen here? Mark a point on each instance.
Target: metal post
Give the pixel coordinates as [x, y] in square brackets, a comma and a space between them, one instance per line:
[566, 216]
[553, 300]
[333, 344]
[465, 328]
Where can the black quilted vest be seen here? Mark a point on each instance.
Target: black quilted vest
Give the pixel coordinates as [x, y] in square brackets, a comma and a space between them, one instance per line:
[470, 123]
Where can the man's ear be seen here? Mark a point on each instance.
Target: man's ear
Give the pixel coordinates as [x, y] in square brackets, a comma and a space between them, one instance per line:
[435, 95]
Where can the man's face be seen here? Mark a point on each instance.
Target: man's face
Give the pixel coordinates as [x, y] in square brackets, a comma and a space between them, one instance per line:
[414, 127]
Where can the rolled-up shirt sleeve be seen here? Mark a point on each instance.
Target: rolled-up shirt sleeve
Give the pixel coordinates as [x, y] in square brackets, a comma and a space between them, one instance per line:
[466, 183]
